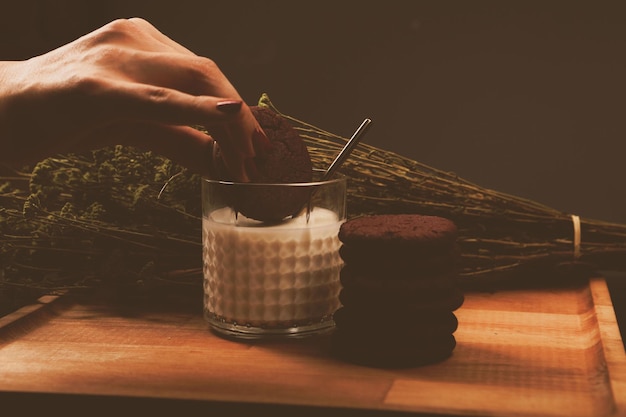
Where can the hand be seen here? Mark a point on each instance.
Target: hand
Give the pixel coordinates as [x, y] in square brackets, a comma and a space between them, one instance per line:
[125, 83]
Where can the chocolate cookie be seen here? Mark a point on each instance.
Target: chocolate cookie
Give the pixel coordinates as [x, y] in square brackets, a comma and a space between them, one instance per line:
[402, 287]
[286, 160]
[391, 268]
[378, 352]
[434, 300]
[414, 233]
[385, 322]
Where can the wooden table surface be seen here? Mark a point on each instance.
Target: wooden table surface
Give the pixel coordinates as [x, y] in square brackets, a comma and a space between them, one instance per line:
[549, 352]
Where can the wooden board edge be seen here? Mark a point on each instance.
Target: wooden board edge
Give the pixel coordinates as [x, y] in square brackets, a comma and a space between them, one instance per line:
[29, 312]
[612, 343]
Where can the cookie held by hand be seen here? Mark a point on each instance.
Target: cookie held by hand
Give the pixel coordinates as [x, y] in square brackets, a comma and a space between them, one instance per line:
[285, 160]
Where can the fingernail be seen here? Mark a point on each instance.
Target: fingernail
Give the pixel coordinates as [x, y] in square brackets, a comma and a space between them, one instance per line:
[260, 142]
[229, 106]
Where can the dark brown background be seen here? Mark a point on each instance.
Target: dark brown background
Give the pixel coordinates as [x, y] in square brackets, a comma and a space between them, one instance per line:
[525, 97]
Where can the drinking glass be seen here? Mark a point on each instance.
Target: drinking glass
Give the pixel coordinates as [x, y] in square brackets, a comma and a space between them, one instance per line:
[276, 278]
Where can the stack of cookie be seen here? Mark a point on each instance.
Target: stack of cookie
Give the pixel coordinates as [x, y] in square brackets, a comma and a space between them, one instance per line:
[399, 290]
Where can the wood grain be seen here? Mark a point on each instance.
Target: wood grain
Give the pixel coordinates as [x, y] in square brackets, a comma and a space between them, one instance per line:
[550, 352]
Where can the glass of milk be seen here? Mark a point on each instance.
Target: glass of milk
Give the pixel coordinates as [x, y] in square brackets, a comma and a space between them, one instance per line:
[279, 278]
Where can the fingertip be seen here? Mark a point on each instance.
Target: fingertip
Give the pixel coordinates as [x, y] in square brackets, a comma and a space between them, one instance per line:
[252, 171]
[260, 142]
[234, 166]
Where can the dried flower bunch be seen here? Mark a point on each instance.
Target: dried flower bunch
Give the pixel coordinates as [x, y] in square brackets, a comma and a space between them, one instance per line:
[116, 217]
[122, 218]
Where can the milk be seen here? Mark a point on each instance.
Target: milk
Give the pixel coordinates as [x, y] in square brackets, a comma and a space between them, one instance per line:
[271, 276]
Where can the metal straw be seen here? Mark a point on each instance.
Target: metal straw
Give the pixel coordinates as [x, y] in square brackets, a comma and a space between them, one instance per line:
[347, 149]
[340, 158]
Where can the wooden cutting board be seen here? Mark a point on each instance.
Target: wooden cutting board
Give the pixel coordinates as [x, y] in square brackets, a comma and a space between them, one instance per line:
[550, 352]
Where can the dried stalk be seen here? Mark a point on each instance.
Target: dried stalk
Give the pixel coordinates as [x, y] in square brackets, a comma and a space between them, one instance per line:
[498, 231]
